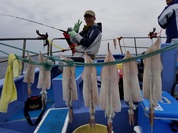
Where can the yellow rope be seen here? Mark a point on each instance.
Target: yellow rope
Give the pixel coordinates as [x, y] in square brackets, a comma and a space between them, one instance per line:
[55, 45]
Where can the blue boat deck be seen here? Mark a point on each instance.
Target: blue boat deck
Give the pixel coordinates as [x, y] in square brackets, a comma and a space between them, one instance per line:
[81, 113]
[14, 121]
[54, 121]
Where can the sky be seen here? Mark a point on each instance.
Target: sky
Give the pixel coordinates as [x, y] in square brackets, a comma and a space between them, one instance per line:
[126, 18]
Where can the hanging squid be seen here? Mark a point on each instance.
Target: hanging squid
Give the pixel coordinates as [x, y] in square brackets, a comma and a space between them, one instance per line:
[152, 83]
[114, 42]
[44, 79]
[90, 89]
[109, 95]
[69, 86]
[131, 85]
[29, 75]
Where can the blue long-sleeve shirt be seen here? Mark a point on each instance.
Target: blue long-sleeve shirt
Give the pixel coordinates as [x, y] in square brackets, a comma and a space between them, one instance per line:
[168, 20]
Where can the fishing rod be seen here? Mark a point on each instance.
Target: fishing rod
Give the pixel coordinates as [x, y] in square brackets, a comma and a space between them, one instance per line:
[65, 33]
[32, 21]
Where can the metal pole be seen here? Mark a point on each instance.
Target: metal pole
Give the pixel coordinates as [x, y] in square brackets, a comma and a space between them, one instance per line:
[120, 45]
[135, 46]
[50, 47]
[23, 55]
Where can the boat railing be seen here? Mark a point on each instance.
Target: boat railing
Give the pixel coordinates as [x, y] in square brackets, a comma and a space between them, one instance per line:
[134, 43]
[137, 45]
[24, 45]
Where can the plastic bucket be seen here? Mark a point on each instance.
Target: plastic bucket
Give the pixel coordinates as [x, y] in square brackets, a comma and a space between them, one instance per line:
[99, 128]
[119, 66]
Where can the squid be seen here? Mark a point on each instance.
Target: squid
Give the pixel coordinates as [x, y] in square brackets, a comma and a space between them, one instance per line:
[90, 89]
[114, 42]
[152, 82]
[109, 94]
[29, 75]
[44, 79]
[69, 86]
[131, 85]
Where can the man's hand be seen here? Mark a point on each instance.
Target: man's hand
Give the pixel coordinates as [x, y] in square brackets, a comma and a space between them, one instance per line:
[77, 26]
[72, 33]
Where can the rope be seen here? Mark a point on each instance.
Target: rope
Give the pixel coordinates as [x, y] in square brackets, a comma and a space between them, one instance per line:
[4, 52]
[17, 48]
[48, 65]
[62, 49]
[55, 45]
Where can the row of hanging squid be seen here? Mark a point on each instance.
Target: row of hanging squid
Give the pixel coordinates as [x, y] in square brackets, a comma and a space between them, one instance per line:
[109, 98]
[44, 79]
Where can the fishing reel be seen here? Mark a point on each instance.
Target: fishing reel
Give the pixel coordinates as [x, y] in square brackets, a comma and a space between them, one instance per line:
[44, 36]
[69, 29]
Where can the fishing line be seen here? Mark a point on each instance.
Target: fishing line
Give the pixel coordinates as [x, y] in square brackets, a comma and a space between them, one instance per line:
[32, 21]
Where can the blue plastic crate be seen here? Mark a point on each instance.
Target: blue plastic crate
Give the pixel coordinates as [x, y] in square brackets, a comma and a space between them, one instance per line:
[165, 113]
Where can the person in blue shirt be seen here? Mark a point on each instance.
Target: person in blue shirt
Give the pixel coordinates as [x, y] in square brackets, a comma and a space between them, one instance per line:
[89, 39]
[168, 20]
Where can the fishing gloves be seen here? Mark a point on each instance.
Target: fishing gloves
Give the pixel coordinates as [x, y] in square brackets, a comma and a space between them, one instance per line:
[75, 30]
[72, 33]
[77, 26]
